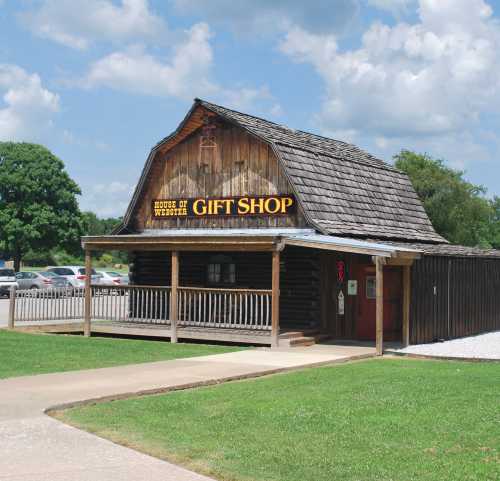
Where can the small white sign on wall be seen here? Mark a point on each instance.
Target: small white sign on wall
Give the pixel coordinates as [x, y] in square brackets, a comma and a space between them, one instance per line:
[341, 303]
[352, 288]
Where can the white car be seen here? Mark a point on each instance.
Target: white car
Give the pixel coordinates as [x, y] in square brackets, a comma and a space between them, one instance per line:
[75, 275]
[112, 278]
[7, 280]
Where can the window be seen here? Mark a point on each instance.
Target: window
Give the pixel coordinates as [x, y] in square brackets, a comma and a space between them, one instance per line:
[371, 287]
[221, 270]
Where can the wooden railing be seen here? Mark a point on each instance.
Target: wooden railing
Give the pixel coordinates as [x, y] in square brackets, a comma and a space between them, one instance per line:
[144, 304]
[47, 304]
[197, 306]
[226, 308]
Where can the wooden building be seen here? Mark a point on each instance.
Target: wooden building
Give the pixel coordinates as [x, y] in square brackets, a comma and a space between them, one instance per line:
[262, 230]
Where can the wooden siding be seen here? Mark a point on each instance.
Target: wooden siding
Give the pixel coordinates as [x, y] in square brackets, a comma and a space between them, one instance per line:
[454, 297]
[299, 278]
[240, 165]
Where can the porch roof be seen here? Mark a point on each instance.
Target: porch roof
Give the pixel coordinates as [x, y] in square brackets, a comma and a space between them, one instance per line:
[268, 239]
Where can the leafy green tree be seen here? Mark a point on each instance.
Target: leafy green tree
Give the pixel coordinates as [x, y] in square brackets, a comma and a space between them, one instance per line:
[38, 204]
[97, 226]
[458, 209]
[93, 225]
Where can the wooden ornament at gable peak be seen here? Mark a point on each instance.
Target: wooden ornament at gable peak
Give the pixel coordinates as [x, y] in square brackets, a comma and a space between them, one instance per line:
[207, 138]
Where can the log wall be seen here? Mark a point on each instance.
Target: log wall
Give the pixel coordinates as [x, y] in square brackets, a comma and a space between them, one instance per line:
[299, 278]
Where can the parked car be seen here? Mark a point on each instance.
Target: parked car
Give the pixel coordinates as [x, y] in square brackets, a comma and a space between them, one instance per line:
[112, 278]
[75, 275]
[40, 280]
[7, 280]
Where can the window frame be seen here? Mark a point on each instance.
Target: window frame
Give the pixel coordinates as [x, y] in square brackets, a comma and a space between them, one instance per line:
[221, 271]
[371, 283]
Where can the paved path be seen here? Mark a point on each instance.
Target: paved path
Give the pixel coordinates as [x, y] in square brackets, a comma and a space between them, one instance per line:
[35, 447]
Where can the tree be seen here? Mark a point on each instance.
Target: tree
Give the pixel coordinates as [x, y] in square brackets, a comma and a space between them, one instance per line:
[93, 225]
[38, 204]
[458, 209]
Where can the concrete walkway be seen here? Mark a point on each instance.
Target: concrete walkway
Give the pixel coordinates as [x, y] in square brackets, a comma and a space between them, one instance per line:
[35, 447]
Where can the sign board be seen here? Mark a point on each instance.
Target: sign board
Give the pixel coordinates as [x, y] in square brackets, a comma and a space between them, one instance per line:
[267, 205]
[352, 288]
[341, 303]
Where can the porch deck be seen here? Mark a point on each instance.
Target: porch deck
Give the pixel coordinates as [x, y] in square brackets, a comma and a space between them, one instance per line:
[137, 329]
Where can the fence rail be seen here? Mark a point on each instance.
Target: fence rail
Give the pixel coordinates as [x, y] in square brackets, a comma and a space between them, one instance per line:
[197, 307]
[144, 304]
[226, 308]
[47, 304]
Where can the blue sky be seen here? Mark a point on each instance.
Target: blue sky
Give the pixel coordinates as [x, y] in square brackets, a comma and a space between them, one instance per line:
[99, 82]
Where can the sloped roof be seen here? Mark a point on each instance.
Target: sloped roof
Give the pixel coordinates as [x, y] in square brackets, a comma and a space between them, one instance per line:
[342, 189]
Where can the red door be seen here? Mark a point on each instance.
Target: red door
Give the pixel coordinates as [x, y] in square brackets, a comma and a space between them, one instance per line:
[365, 319]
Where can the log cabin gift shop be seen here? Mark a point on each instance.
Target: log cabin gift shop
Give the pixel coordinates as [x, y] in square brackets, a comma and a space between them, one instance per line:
[258, 231]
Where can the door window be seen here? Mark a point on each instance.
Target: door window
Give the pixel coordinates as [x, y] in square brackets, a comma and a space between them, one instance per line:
[371, 287]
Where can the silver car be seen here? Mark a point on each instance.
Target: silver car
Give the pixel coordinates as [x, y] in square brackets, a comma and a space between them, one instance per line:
[40, 280]
[7, 280]
[75, 275]
[112, 278]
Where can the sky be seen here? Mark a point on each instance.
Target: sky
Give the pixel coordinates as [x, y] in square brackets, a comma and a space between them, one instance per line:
[99, 82]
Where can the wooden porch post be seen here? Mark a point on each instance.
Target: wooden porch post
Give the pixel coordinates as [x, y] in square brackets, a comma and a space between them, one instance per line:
[88, 294]
[12, 307]
[275, 302]
[406, 304]
[379, 273]
[174, 284]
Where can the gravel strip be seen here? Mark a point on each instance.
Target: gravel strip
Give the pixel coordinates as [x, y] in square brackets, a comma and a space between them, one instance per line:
[483, 346]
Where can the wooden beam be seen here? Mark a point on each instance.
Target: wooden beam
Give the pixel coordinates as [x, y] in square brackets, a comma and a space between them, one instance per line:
[379, 308]
[275, 302]
[88, 294]
[406, 304]
[174, 285]
[12, 307]
[180, 246]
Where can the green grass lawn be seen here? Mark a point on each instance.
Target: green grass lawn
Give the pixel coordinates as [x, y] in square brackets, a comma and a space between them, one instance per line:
[22, 354]
[386, 419]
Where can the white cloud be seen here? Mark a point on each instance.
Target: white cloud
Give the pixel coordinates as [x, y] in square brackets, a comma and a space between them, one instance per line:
[77, 26]
[28, 106]
[107, 200]
[187, 74]
[435, 77]
[135, 70]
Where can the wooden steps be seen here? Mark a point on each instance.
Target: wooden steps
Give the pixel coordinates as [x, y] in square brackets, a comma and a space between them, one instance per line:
[301, 338]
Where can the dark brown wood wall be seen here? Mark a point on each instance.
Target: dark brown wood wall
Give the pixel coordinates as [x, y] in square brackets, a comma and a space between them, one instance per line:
[299, 278]
[240, 165]
[454, 297]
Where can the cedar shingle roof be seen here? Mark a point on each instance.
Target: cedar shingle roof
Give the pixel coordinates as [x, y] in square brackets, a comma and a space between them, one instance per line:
[343, 189]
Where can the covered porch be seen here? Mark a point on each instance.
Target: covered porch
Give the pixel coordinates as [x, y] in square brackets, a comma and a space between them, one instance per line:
[173, 272]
